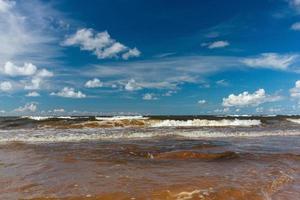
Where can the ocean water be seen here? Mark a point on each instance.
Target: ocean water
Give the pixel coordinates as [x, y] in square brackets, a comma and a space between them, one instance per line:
[150, 157]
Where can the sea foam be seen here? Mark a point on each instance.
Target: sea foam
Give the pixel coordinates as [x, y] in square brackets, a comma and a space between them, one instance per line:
[207, 123]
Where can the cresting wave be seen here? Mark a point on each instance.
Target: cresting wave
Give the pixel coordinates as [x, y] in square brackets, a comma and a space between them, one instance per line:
[297, 121]
[207, 123]
[73, 135]
[69, 122]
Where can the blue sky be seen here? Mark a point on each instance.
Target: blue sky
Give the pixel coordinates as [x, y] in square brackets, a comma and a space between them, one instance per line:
[149, 57]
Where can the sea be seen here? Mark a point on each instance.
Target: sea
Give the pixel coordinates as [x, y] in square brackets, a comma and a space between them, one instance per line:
[150, 157]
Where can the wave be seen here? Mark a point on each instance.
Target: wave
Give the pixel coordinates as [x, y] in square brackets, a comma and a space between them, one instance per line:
[42, 118]
[207, 123]
[297, 121]
[53, 135]
[114, 118]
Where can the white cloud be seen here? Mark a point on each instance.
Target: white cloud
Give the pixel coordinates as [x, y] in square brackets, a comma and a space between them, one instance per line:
[167, 73]
[44, 73]
[34, 84]
[131, 53]
[224, 110]
[68, 92]
[222, 82]
[295, 91]
[34, 76]
[59, 110]
[95, 83]
[271, 60]
[202, 101]
[295, 4]
[170, 93]
[247, 99]
[5, 5]
[162, 73]
[10, 69]
[132, 85]
[296, 26]
[29, 107]
[149, 97]
[5, 86]
[33, 94]
[27, 32]
[101, 44]
[218, 44]
[274, 110]
[259, 109]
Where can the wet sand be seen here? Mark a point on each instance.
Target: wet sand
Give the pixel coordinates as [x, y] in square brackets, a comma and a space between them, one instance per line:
[168, 167]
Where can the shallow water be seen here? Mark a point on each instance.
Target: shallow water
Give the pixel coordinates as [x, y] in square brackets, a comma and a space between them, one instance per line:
[257, 162]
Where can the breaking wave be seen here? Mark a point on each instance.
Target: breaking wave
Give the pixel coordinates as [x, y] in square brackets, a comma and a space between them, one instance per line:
[41, 118]
[207, 123]
[68, 122]
[297, 121]
[73, 135]
[121, 118]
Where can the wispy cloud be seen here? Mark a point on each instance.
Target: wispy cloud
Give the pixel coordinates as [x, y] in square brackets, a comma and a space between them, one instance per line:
[165, 73]
[25, 33]
[218, 44]
[272, 60]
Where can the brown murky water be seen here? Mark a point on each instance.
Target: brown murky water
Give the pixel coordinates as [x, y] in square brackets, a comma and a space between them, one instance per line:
[156, 168]
[212, 159]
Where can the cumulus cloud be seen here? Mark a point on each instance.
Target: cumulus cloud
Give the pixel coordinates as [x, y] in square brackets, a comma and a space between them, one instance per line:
[10, 69]
[5, 86]
[34, 84]
[149, 97]
[295, 91]
[101, 44]
[34, 76]
[95, 83]
[68, 92]
[202, 101]
[132, 85]
[33, 94]
[296, 26]
[247, 99]
[271, 60]
[216, 44]
[131, 53]
[29, 107]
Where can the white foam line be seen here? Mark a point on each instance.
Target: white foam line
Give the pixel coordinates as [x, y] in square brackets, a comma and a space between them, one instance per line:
[121, 118]
[54, 136]
[207, 123]
[297, 121]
